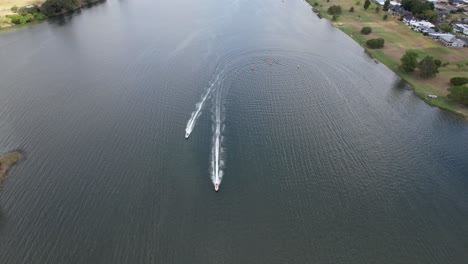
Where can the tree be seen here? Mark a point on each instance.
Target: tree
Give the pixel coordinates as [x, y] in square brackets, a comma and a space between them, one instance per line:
[409, 61]
[459, 94]
[429, 15]
[445, 27]
[427, 67]
[334, 10]
[376, 43]
[456, 81]
[386, 5]
[367, 4]
[366, 30]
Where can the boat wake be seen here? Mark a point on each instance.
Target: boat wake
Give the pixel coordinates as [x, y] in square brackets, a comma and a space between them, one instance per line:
[199, 106]
[217, 162]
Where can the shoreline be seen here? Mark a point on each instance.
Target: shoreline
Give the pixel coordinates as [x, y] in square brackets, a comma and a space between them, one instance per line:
[82, 3]
[418, 85]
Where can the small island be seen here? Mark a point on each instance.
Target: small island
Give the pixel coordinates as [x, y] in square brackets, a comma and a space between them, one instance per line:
[6, 161]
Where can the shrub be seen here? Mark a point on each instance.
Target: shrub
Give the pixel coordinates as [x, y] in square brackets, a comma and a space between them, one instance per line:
[316, 4]
[358, 3]
[334, 10]
[335, 18]
[457, 81]
[377, 9]
[459, 94]
[438, 63]
[445, 64]
[39, 16]
[351, 9]
[14, 9]
[366, 30]
[30, 10]
[376, 43]
[366, 4]
[385, 17]
[17, 19]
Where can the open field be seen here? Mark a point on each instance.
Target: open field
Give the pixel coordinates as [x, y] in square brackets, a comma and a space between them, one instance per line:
[399, 38]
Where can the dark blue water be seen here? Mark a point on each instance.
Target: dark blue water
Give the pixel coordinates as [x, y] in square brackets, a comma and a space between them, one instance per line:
[325, 156]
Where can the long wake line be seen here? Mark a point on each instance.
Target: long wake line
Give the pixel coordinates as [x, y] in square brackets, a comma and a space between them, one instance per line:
[199, 106]
[217, 162]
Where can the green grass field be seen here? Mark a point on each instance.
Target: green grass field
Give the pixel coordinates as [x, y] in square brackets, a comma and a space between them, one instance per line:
[399, 38]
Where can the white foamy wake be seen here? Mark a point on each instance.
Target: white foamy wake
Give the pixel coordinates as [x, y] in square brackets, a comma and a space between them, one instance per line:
[199, 106]
[217, 162]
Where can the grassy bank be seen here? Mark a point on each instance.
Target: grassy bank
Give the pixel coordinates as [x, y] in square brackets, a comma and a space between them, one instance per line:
[5, 9]
[42, 10]
[399, 38]
[6, 161]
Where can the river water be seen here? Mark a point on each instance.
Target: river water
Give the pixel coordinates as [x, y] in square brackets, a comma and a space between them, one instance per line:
[325, 156]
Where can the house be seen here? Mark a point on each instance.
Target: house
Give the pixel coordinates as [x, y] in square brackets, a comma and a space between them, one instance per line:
[380, 2]
[396, 11]
[451, 41]
[451, 9]
[421, 26]
[409, 19]
[462, 28]
[436, 36]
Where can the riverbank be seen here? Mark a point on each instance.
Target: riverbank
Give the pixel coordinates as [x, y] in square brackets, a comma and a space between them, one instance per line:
[47, 8]
[399, 38]
[6, 161]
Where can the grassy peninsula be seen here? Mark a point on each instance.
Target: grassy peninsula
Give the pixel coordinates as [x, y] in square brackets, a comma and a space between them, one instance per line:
[6, 161]
[399, 38]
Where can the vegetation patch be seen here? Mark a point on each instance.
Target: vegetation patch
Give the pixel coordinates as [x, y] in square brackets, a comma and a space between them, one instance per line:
[376, 43]
[399, 38]
[6, 161]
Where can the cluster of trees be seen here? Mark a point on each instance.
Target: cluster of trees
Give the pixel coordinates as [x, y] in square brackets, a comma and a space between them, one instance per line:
[24, 15]
[421, 9]
[54, 7]
[428, 67]
[416, 6]
[376, 43]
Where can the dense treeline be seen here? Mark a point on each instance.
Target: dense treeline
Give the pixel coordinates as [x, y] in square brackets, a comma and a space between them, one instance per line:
[54, 7]
[417, 7]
